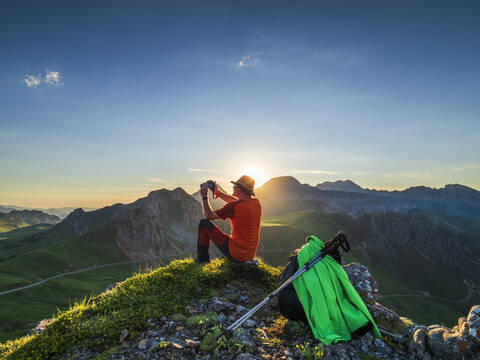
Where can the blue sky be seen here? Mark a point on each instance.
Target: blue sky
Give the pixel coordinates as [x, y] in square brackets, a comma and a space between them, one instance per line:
[101, 102]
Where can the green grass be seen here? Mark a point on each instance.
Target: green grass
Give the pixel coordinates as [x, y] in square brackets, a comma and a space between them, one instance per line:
[428, 311]
[163, 292]
[62, 256]
[13, 242]
[20, 311]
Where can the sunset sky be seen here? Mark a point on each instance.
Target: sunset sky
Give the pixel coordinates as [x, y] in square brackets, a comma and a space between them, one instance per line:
[103, 101]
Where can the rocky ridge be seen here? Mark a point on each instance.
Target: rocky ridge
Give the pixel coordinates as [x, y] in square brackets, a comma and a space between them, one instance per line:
[162, 224]
[200, 332]
[20, 218]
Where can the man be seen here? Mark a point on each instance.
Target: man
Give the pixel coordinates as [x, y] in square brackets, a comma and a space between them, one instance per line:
[244, 212]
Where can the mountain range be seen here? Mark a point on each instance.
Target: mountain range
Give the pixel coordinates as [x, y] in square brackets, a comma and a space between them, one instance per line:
[416, 241]
[61, 212]
[16, 219]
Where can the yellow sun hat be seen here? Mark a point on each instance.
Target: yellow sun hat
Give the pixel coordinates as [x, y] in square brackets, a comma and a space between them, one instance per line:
[246, 183]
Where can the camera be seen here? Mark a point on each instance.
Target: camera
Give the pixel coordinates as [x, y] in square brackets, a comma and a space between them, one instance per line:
[209, 184]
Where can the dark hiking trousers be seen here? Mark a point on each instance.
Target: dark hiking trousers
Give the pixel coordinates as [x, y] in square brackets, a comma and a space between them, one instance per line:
[208, 231]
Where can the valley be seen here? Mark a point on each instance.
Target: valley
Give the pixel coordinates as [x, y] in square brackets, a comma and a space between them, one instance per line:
[419, 259]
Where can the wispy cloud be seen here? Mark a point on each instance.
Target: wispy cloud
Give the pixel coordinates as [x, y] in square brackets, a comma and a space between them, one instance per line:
[51, 78]
[32, 80]
[156, 180]
[467, 167]
[201, 170]
[249, 60]
[323, 172]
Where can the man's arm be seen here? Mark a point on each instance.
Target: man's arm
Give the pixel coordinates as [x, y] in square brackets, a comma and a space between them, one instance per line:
[208, 212]
[225, 197]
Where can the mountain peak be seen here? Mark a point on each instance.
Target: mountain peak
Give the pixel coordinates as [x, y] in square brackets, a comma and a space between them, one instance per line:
[281, 184]
[340, 185]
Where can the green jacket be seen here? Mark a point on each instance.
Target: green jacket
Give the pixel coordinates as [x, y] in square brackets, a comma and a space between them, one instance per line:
[333, 307]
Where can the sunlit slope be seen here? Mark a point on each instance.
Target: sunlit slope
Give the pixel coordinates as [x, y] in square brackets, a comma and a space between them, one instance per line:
[20, 311]
[61, 256]
[162, 292]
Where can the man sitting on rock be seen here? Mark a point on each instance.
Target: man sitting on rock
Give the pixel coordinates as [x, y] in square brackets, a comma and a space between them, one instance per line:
[244, 212]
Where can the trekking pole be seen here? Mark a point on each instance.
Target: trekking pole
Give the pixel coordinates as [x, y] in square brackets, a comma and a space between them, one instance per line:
[332, 245]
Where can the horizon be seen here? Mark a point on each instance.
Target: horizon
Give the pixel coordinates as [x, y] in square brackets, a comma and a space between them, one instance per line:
[104, 106]
[192, 192]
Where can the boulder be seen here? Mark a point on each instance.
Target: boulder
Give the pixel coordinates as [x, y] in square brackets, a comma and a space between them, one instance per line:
[363, 281]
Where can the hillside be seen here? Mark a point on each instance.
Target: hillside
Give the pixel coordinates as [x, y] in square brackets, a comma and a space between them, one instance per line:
[182, 311]
[17, 219]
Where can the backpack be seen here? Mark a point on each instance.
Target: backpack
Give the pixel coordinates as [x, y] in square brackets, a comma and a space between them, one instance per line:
[288, 302]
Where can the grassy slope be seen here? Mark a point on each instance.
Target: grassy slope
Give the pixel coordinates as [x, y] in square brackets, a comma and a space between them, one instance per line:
[59, 257]
[162, 292]
[40, 302]
[13, 243]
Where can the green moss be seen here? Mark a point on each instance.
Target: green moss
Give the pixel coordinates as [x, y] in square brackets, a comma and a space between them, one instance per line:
[201, 319]
[178, 317]
[162, 292]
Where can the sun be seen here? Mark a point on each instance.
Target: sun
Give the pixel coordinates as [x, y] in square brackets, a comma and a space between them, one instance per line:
[256, 174]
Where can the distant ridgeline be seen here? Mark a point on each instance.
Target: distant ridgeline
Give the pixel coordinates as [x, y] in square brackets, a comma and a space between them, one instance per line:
[421, 241]
[17, 219]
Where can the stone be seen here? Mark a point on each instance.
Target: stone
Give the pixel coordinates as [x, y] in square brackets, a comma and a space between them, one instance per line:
[177, 345]
[192, 343]
[245, 356]
[250, 323]
[381, 347]
[221, 318]
[243, 299]
[473, 322]
[139, 356]
[144, 344]
[363, 281]
[417, 346]
[220, 306]
[123, 335]
[41, 326]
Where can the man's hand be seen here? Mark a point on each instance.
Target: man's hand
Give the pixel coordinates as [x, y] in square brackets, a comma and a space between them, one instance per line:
[203, 190]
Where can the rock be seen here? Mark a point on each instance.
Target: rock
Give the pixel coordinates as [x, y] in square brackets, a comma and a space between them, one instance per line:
[250, 323]
[244, 337]
[111, 286]
[461, 341]
[363, 281]
[245, 356]
[220, 306]
[243, 299]
[41, 326]
[473, 322]
[144, 344]
[123, 335]
[139, 356]
[417, 346]
[240, 308]
[192, 343]
[381, 347]
[221, 318]
[177, 345]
